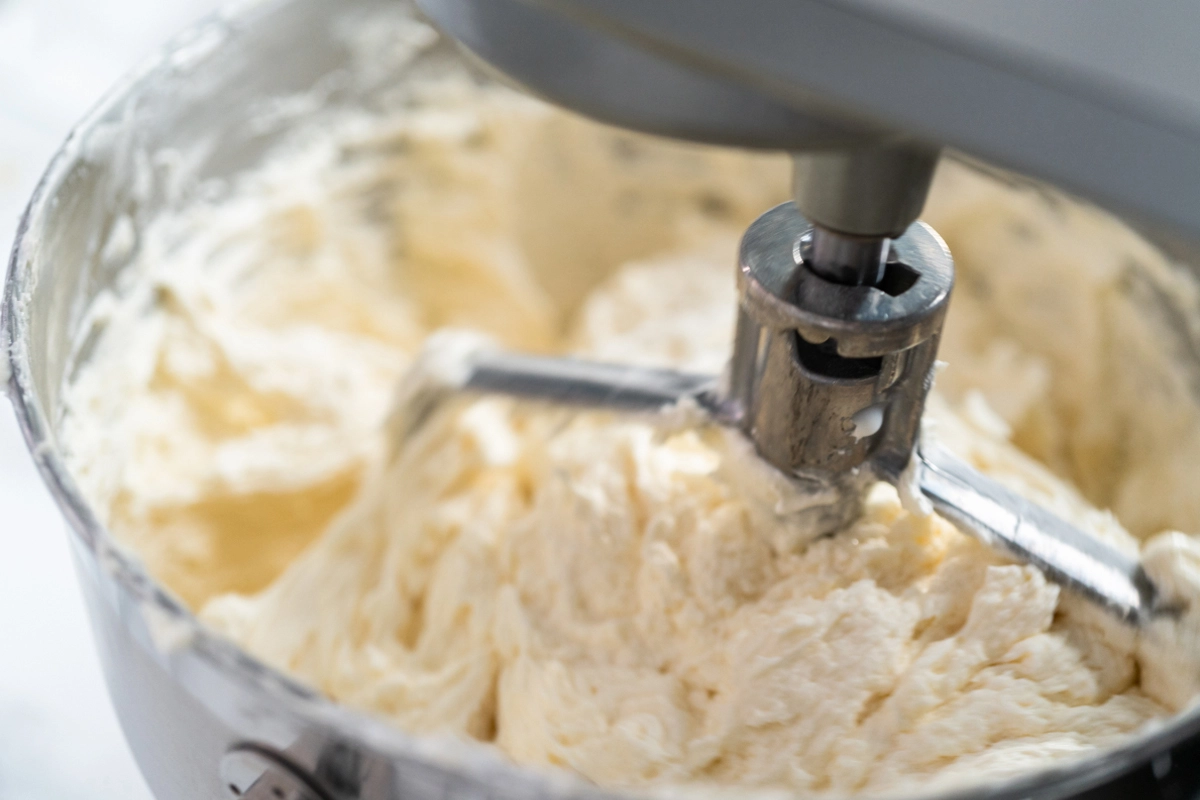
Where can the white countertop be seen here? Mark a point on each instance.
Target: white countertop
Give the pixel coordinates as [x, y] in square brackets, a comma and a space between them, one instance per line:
[58, 735]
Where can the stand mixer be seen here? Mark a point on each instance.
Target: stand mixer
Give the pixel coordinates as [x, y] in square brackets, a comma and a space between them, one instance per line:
[1099, 98]
[842, 293]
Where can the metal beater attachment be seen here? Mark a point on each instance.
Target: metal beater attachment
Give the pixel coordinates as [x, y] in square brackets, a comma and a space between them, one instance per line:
[841, 301]
[829, 376]
[839, 317]
[976, 504]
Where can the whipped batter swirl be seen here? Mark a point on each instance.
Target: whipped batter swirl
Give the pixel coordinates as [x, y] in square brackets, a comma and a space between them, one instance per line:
[590, 592]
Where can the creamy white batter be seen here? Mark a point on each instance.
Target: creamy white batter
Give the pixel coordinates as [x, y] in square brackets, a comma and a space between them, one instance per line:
[593, 592]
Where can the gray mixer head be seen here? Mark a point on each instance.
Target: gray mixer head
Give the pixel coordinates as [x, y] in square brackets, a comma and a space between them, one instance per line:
[1099, 98]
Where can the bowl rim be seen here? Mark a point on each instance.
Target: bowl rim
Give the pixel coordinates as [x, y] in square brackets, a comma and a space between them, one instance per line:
[209, 649]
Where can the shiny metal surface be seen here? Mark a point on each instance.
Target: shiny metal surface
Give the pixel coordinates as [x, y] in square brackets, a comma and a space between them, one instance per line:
[1003, 519]
[575, 382]
[863, 320]
[255, 774]
[852, 260]
[811, 355]
[185, 696]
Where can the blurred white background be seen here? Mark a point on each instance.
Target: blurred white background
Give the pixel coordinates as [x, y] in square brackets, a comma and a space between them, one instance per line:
[59, 739]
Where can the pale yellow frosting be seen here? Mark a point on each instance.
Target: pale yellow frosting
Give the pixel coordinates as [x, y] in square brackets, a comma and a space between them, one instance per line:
[595, 592]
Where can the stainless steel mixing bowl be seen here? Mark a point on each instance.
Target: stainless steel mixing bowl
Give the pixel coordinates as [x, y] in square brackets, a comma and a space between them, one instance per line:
[203, 718]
